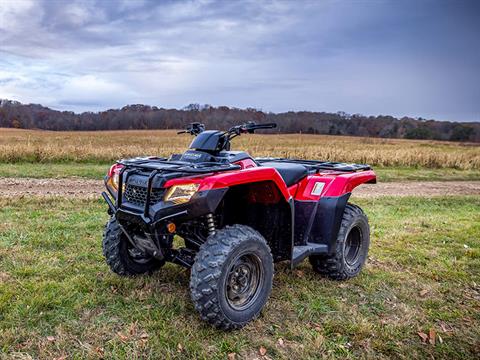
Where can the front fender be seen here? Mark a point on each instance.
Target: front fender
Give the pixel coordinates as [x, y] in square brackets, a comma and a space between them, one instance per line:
[234, 178]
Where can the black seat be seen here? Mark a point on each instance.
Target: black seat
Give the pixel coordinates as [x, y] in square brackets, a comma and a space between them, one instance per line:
[290, 173]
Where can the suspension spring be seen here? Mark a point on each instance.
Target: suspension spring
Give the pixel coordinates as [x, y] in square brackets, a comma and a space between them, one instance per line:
[210, 224]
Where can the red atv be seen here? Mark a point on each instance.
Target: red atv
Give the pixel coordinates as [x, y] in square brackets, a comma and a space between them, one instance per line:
[236, 216]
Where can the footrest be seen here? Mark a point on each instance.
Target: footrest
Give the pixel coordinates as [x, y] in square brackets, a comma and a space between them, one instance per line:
[302, 251]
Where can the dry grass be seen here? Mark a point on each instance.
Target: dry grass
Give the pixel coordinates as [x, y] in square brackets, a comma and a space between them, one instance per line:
[43, 146]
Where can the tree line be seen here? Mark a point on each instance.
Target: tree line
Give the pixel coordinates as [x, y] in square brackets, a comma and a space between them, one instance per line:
[32, 116]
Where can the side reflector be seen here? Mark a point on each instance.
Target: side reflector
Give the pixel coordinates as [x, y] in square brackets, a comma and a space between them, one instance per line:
[317, 188]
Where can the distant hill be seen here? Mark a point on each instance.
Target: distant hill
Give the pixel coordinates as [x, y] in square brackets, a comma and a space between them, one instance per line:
[17, 115]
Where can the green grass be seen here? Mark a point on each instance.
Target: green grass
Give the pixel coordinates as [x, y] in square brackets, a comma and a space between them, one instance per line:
[389, 174]
[58, 298]
[54, 170]
[98, 170]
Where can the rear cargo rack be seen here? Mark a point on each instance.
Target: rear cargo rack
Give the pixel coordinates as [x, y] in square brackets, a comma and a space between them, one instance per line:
[313, 165]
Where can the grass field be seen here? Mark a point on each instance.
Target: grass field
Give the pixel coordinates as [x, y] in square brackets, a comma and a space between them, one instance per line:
[59, 300]
[41, 154]
[57, 297]
[17, 146]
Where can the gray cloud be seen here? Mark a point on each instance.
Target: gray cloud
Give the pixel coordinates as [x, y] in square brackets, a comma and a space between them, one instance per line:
[401, 58]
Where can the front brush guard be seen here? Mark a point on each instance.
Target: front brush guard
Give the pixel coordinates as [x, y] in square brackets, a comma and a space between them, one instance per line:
[153, 218]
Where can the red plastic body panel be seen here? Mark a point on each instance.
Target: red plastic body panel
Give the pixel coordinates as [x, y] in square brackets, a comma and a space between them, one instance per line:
[114, 169]
[335, 183]
[293, 190]
[236, 177]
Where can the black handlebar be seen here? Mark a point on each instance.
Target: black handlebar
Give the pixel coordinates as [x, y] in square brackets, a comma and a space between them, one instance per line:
[250, 128]
[265, 126]
[223, 139]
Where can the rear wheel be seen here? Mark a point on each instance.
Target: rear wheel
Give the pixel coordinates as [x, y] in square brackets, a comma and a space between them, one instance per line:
[232, 277]
[122, 257]
[351, 249]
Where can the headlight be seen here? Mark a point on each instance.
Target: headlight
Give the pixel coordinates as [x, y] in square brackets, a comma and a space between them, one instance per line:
[179, 194]
[114, 181]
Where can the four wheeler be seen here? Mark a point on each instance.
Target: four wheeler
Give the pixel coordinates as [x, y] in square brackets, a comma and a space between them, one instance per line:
[237, 215]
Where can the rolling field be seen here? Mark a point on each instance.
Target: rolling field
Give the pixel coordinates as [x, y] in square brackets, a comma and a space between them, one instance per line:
[18, 146]
[418, 297]
[43, 154]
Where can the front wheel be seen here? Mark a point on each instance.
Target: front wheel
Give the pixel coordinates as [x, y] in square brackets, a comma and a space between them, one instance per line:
[351, 248]
[121, 256]
[232, 277]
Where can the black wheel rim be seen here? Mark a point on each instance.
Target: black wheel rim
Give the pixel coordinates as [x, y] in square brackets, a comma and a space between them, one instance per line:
[353, 245]
[244, 281]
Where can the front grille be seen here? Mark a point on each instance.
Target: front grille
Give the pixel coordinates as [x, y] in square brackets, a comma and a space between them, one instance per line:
[137, 195]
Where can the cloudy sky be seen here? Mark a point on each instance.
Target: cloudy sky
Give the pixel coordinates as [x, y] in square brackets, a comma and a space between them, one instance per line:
[415, 58]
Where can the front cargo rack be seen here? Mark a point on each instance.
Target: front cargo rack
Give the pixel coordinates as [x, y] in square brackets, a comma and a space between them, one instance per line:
[316, 166]
[166, 165]
[168, 169]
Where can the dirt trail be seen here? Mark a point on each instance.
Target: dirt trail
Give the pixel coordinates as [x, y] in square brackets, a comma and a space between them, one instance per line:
[82, 189]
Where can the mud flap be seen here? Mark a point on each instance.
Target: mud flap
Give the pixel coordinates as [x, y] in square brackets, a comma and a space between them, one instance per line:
[318, 222]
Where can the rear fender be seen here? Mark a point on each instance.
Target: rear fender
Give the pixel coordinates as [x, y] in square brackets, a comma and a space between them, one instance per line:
[313, 187]
[320, 202]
